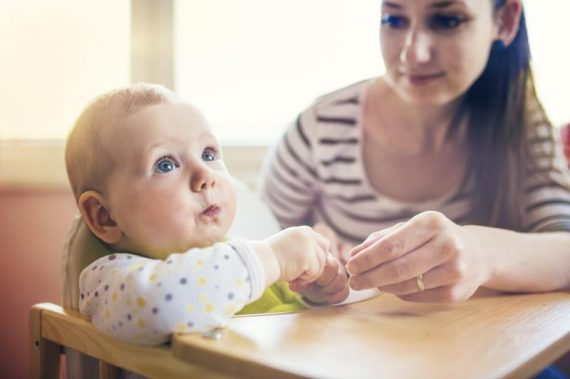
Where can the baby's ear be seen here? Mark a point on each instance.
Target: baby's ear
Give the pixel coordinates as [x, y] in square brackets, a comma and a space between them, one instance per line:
[97, 216]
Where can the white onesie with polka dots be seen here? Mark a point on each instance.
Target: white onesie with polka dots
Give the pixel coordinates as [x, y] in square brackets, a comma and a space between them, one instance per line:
[144, 301]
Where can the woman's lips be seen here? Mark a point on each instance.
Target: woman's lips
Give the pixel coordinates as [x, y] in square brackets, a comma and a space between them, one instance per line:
[212, 211]
[423, 79]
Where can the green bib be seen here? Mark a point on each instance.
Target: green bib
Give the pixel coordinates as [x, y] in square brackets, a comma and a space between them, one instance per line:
[276, 298]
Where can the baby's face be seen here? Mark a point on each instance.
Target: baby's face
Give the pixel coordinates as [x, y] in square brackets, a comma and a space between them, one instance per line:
[169, 190]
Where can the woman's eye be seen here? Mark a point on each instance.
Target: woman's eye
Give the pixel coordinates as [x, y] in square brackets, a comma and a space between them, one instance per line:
[395, 22]
[164, 165]
[443, 22]
[209, 155]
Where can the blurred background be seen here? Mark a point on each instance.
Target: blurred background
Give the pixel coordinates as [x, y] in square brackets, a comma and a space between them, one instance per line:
[250, 65]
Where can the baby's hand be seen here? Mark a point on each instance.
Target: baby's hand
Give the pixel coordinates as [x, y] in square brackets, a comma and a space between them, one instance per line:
[338, 248]
[300, 252]
[331, 287]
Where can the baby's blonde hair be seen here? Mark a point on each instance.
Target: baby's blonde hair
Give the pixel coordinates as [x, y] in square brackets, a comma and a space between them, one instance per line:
[87, 159]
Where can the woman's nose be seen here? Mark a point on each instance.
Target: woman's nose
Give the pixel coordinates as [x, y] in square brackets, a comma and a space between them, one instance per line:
[417, 48]
[202, 179]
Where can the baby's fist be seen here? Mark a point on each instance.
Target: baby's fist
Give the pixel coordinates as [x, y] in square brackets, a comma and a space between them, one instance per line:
[331, 287]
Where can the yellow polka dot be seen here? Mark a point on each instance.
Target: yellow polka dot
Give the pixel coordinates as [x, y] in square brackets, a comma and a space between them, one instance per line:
[114, 296]
[202, 297]
[180, 327]
[114, 272]
[190, 307]
[128, 301]
[136, 266]
[230, 310]
[209, 308]
[141, 323]
[202, 281]
[239, 283]
[141, 302]
[199, 262]
[153, 277]
[107, 313]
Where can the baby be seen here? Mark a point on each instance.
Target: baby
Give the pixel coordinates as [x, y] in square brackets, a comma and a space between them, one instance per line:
[149, 180]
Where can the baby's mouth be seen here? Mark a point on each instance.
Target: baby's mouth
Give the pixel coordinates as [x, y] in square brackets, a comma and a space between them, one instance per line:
[212, 211]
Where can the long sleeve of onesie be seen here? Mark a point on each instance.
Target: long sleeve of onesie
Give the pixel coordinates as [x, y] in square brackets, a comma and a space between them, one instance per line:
[142, 300]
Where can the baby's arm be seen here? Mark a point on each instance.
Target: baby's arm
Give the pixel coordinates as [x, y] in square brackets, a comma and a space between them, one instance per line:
[143, 300]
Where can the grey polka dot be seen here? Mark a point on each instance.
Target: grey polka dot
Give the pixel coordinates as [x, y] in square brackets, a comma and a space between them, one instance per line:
[154, 310]
[216, 267]
[129, 257]
[112, 257]
[122, 286]
[82, 296]
[231, 295]
[183, 281]
[96, 294]
[168, 297]
[169, 261]
[190, 324]
[120, 324]
[94, 268]
[226, 256]
[106, 287]
[129, 317]
[101, 268]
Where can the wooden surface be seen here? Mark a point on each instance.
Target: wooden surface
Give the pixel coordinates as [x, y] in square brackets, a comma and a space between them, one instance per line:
[489, 336]
[54, 325]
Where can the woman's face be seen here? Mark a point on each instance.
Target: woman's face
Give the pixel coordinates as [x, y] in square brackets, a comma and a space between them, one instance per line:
[435, 50]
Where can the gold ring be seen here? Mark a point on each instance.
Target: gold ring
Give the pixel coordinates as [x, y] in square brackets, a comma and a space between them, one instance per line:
[420, 282]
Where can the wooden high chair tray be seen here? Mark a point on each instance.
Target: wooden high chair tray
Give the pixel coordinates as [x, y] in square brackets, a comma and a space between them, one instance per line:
[489, 336]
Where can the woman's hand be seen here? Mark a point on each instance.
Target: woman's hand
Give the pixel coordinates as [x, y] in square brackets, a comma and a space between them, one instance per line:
[427, 259]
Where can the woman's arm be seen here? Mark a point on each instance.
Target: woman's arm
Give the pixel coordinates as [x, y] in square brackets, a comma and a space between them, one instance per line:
[524, 262]
[430, 258]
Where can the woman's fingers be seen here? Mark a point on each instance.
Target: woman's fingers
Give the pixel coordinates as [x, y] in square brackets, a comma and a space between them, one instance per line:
[372, 238]
[446, 274]
[400, 241]
[402, 271]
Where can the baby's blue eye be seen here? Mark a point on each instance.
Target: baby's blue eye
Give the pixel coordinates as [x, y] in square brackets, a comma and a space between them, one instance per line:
[209, 155]
[443, 22]
[395, 22]
[164, 165]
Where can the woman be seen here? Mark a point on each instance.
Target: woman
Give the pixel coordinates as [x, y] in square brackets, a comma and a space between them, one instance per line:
[446, 167]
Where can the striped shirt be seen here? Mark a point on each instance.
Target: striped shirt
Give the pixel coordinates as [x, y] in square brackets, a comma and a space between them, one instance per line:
[316, 174]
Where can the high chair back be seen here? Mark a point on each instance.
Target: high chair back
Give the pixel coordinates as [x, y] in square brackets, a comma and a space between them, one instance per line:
[53, 328]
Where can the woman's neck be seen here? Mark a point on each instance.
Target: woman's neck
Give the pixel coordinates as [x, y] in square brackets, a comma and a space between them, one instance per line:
[411, 129]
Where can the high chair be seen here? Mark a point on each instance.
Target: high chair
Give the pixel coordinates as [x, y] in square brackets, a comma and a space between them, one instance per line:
[56, 330]
[53, 328]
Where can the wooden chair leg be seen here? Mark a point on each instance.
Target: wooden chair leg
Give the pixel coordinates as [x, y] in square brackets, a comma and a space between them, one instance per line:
[44, 354]
[108, 371]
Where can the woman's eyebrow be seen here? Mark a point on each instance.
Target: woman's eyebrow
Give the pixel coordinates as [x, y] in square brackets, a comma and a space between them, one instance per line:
[388, 4]
[445, 4]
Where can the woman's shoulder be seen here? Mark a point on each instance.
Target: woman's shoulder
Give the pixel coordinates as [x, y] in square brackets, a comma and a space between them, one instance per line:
[348, 94]
[344, 102]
